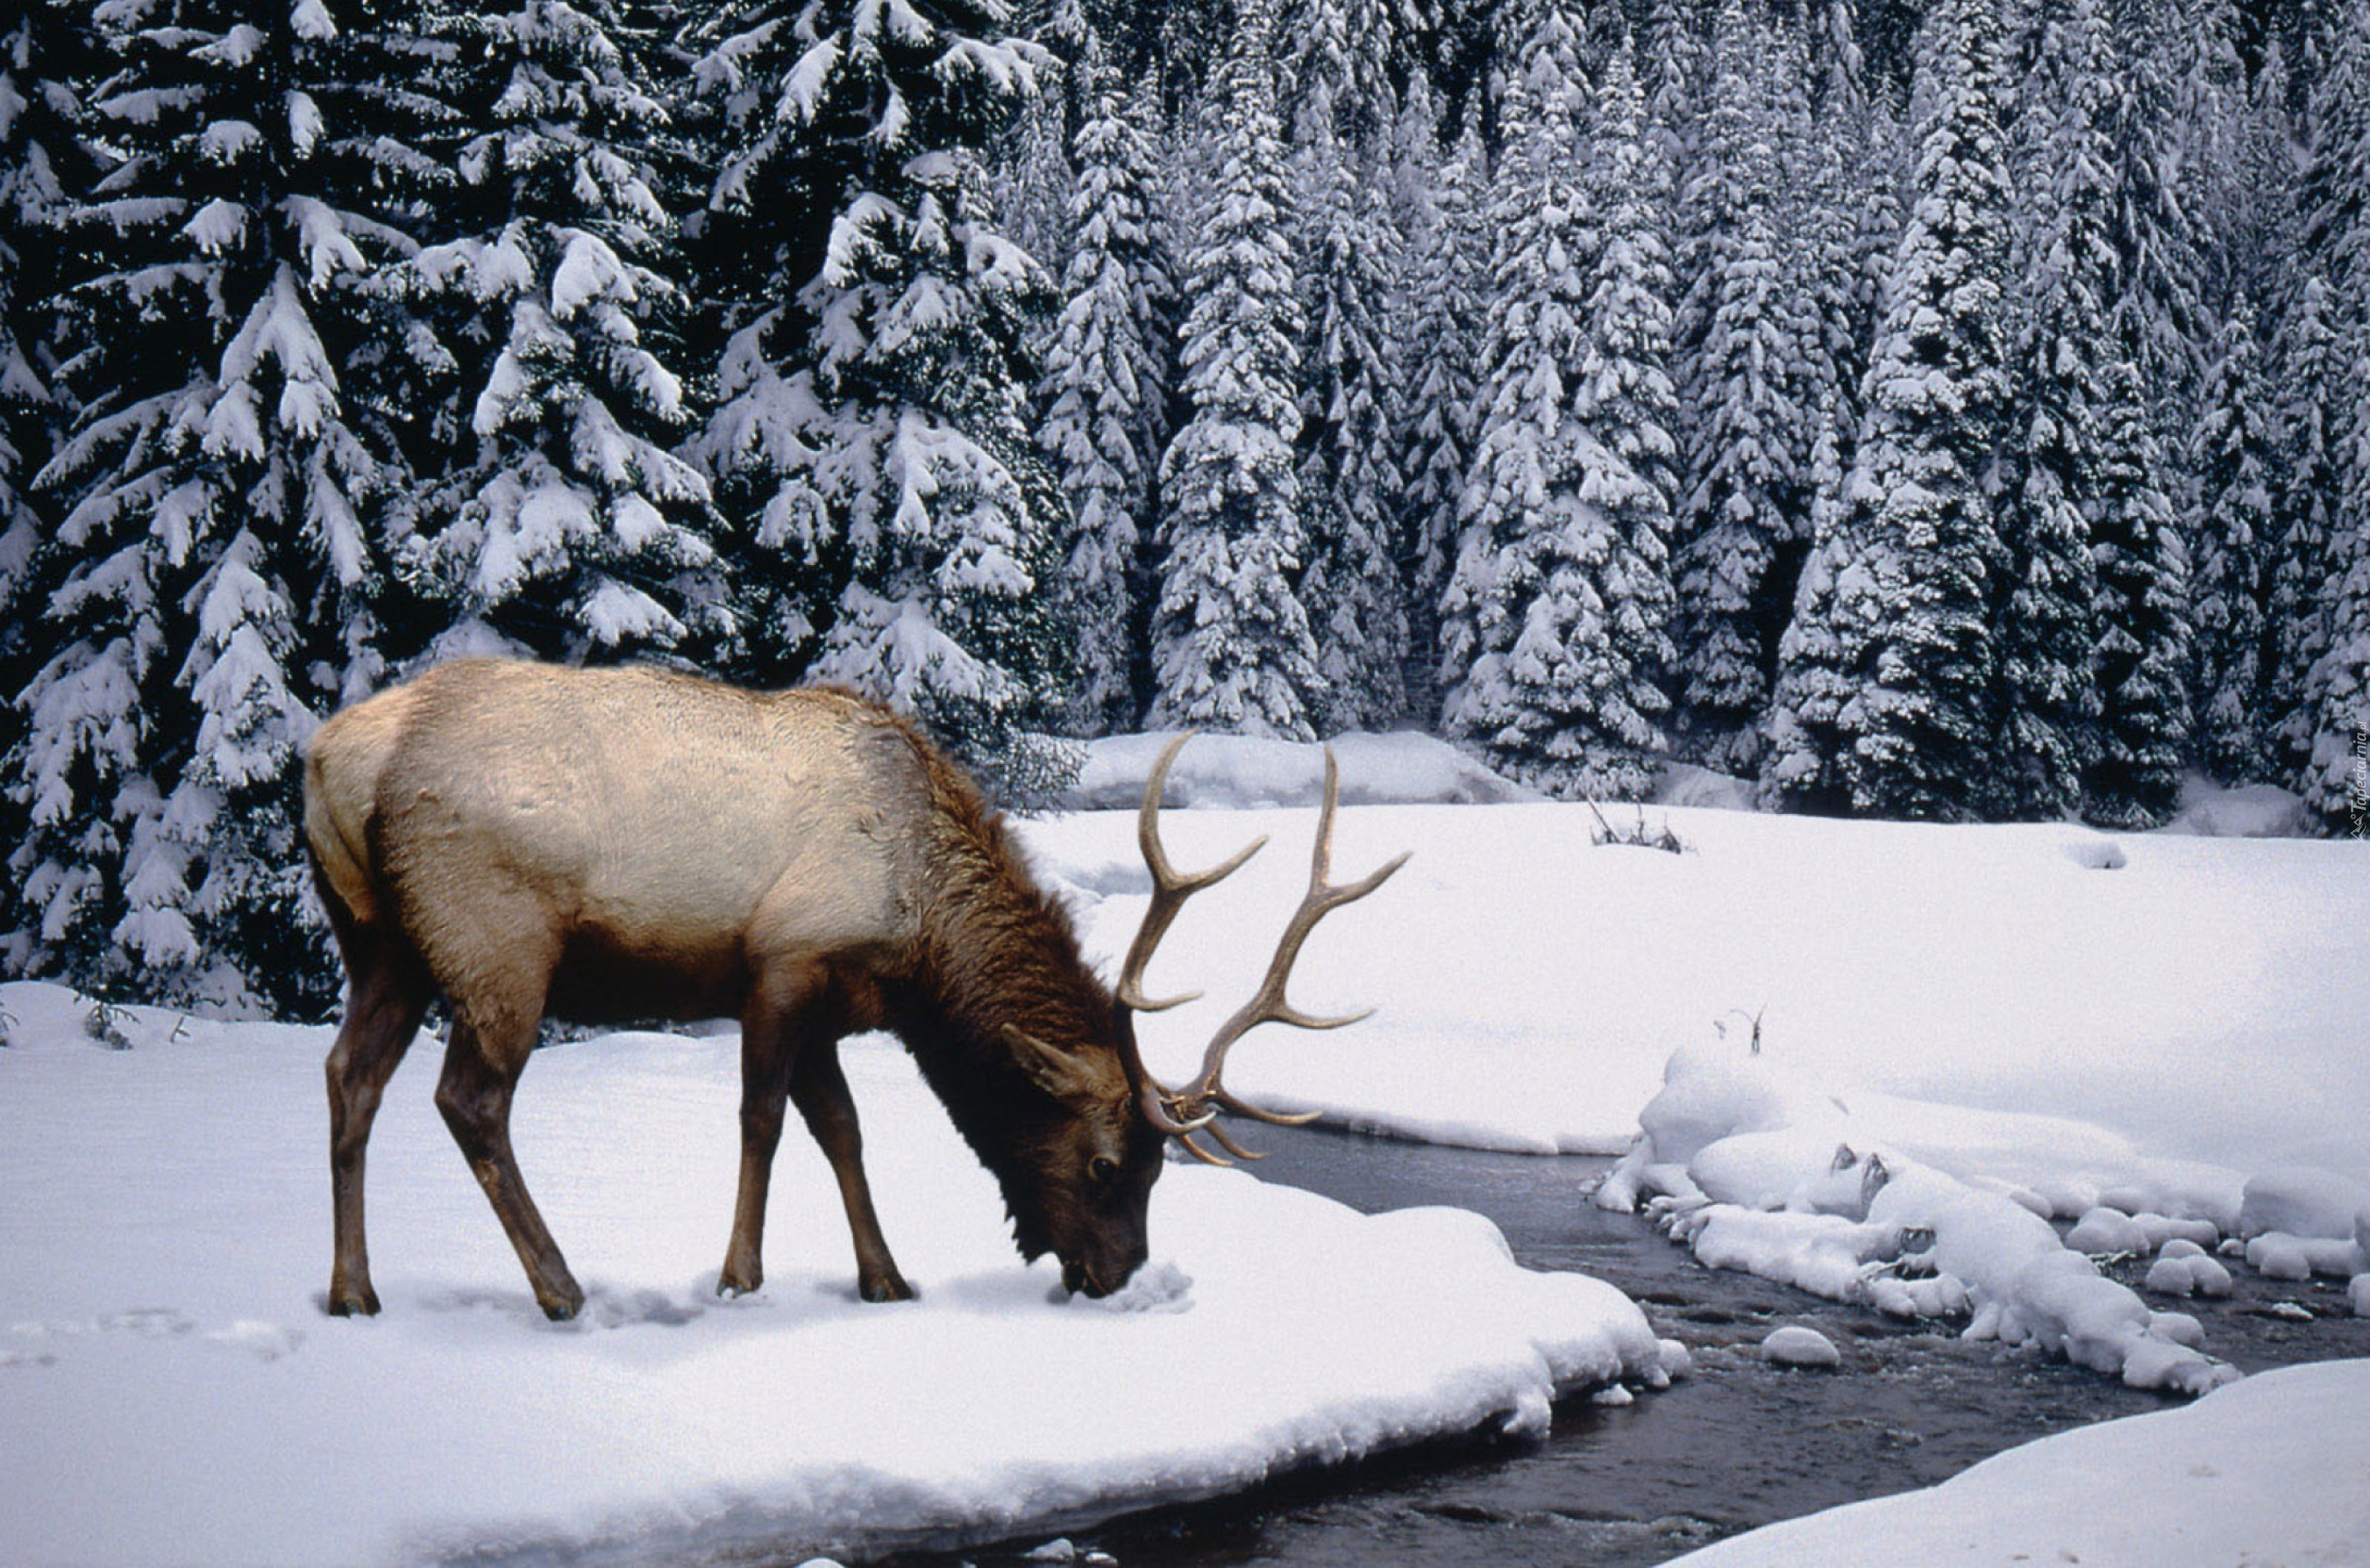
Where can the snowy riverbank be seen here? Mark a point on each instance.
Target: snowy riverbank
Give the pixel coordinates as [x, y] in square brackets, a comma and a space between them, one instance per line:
[2050, 1019]
[170, 1392]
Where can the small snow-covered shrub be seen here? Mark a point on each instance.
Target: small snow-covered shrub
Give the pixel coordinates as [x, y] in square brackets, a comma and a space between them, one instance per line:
[1637, 833]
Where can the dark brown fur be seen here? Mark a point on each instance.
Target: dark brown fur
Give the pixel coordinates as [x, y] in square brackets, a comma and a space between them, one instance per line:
[531, 842]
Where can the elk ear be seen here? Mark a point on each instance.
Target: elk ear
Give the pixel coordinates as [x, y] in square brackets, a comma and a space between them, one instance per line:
[1065, 1077]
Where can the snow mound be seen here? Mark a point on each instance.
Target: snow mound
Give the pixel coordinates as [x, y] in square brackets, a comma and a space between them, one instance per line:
[2301, 1201]
[1685, 784]
[1757, 1171]
[1795, 1345]
[1236, 771]
[2183, 1269]
[2265, 1470]
[2209, 811]
[170, 1392]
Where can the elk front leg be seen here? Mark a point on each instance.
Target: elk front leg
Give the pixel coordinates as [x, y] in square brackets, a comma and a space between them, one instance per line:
[780, 1007]
[820, 1090]
[481, 1071]
[384, 1006]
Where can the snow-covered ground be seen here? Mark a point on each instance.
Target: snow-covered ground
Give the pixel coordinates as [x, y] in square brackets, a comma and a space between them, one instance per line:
[171, 1392]
[2163, 1035]
[2274, 1470]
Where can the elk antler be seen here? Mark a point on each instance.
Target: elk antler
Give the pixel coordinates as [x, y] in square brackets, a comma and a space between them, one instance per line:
[1180, 1113]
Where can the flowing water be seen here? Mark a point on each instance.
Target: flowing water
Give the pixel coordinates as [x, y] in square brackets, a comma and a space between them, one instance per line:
[1736, 1444]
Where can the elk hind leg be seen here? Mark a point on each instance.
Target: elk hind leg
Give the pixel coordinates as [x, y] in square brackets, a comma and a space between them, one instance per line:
[386, 1000]
[482, 1061]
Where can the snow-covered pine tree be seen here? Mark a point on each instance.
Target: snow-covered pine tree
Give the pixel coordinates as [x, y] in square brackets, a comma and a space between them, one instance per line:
[46, 161]
[881, 495]
[2335, 201]
[1552, 628]
[1820, 153]
[227, 479]
[2231, 458]
[1676, 71]
[565, 526]
[1355, 51]
[1742, 346]
[2159, 312]
[1439, 325]
[2139, 668]
[1627, 398]
[1106, 395]
[1888, 679]
[1232, 644]
[2064, 273]
[1033, 178]
[2309, 479]
[1348, 253]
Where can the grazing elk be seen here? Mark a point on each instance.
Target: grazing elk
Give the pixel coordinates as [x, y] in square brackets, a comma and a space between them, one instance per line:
[605, 845]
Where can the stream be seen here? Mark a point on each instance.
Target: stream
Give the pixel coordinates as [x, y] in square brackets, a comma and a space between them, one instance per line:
[1734, 1444]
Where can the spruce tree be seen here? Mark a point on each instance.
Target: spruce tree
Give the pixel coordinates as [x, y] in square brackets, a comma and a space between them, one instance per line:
[564, 526]
[2335, 201]
[1553, 624]
[880, 494]
[2062, 266]
[46, 161]
[2231, 457]
[1106, 394]
[2134, 770]
[230, 486]
[1350, 487]
[1439, 317]
[1887, 697]
[1232, 644]
[2309, 359]
[1741, 497]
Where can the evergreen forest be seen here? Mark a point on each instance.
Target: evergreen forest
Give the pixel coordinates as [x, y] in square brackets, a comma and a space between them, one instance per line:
[1955, 410]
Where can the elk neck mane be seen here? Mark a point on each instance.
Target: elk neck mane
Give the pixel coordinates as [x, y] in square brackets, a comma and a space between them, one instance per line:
[994, 950]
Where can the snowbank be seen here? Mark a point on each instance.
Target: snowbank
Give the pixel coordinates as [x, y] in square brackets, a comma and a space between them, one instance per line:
[2271, 1470]
[171, 1392]
[2069, 1023]
[2247, 811]
[1758, 1172]
[1236, 771]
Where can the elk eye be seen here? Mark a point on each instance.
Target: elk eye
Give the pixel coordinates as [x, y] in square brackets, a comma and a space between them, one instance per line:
[1102, 1169]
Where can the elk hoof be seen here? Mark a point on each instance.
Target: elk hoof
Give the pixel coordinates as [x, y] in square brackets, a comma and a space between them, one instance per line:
[889, 1287]
[735, 1282]
[347, 1303]
[562, 1304]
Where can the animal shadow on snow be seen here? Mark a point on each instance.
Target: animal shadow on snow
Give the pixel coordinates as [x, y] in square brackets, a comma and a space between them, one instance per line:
[604, 1307]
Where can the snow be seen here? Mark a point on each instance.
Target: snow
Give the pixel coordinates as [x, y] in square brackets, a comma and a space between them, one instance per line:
[1795, 1345]
[171, 1392]
[2275, 1468]
[1238, 771]
[1965, 1033]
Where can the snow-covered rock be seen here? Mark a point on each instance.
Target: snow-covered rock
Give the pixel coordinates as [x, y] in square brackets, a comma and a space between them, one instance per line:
[1795, 1345]
[2275, 1254]
[2184, 1268]
[1747, 1202]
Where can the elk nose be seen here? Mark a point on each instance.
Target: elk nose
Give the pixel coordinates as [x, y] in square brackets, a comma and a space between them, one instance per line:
[1079, 1280]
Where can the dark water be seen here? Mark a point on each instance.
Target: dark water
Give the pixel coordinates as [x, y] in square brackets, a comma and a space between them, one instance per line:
[1735, 1445]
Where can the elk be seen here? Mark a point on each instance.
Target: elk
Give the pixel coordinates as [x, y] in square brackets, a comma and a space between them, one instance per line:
[603, 846]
